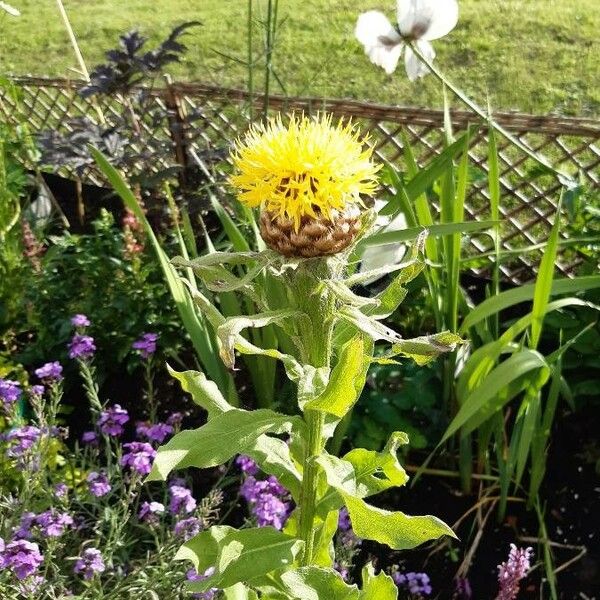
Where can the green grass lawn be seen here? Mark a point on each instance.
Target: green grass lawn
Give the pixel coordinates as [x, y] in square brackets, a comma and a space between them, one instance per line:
[537, 56]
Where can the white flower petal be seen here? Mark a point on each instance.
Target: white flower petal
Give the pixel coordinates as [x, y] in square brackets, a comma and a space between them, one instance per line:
[11, 10]
[415, 68]
[426, 19]
[381, 40]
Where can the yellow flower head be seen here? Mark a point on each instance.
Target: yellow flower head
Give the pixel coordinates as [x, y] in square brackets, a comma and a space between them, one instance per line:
[307, 168]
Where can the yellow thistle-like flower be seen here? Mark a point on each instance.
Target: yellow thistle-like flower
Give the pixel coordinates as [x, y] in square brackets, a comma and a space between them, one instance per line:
[307, 170]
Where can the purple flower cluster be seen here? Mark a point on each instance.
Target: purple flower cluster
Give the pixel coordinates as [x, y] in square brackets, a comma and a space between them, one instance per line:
[89, 563]
[512, 571]
[60, 490]
[21, 556]
[246, 465]
[82, 346]
[149, 512]
[139, 457]
[50, 372]
[181, 500]
[112, 419]
[188, 528]
[267, 499]
[10, 391]
[89, 437]
[37, 391]
[98, 484]
[53, 523]
[418, 584]
[193, 575]
[21, 439]
[80, 320]
[156, 432]
[146, 345]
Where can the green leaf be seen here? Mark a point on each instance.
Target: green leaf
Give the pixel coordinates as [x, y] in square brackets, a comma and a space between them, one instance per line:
[487, 398]
[377, 587]
[204, 392]
[239, 592]
[425, 349]
[346, 381]
[525, 293]
[238, 555]
[543, 282]
[405, 235]
[315, 583]
[224, 436]
[395, 529]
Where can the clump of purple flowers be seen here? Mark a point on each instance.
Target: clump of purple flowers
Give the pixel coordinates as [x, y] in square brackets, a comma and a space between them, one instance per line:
[53, 523]
[156, 432]
[82, 347]
[89, 563]
[9, 391]
[112, 419]
[418, 584]
[21, 556]
[267, 499]
[139, 457]
[89, 437]
[181, 500]
[22, 439]
[98, 484]
[50, 372]
[246, 465]
[80, 320]
[149, 512]
[146, 345]
[512, 571]
[188, 528]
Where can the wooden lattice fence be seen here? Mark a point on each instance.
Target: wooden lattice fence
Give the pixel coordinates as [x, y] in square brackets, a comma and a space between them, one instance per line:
[197, 121]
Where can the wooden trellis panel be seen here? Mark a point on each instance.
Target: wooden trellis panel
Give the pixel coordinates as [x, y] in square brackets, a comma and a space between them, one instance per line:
[196, 121]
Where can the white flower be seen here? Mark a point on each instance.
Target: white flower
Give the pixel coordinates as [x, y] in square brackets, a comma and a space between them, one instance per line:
[9, 9]
[419, 21]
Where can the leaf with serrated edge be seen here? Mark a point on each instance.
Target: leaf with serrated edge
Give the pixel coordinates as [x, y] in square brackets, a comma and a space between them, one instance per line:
[238, 555]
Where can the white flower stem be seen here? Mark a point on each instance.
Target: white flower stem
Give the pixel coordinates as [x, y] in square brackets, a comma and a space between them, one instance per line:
[486, 116]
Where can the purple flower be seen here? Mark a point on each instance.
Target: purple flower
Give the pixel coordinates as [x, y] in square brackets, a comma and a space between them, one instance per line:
[193, 575]
[149, 512]
[342, 570]
[53, 523]
[146, 345]
[157, 432]
[512, 571]
[181, 500]
[60, 490]
[80, 320]
[188, 528]
[89, 437]
[22, 557]
[417, 584]
[22, 439]
[139, 457]
[246, 465]
[112, 419]
[51, 371]
[82, 346]
[89, 563]
[9, 391]
[344, 520]
[37, 390]
[30, 585]
[23, 532]
[98, 484]
[175, 419]
[266, 500]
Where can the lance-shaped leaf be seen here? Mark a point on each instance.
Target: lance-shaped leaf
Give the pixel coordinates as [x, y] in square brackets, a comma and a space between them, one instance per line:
[315, 583]
[346, 381]
[377, 587]
[426, 348]
[229, 331]
[325, 528]
[238, 555]
[204, 392]
[224, 436]
[395, 529]
[272, 454]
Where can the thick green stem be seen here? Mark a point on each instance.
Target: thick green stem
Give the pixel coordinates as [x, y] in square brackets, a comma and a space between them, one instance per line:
[315, 301]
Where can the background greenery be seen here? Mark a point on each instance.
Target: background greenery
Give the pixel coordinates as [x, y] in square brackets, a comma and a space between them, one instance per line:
[533, 55]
